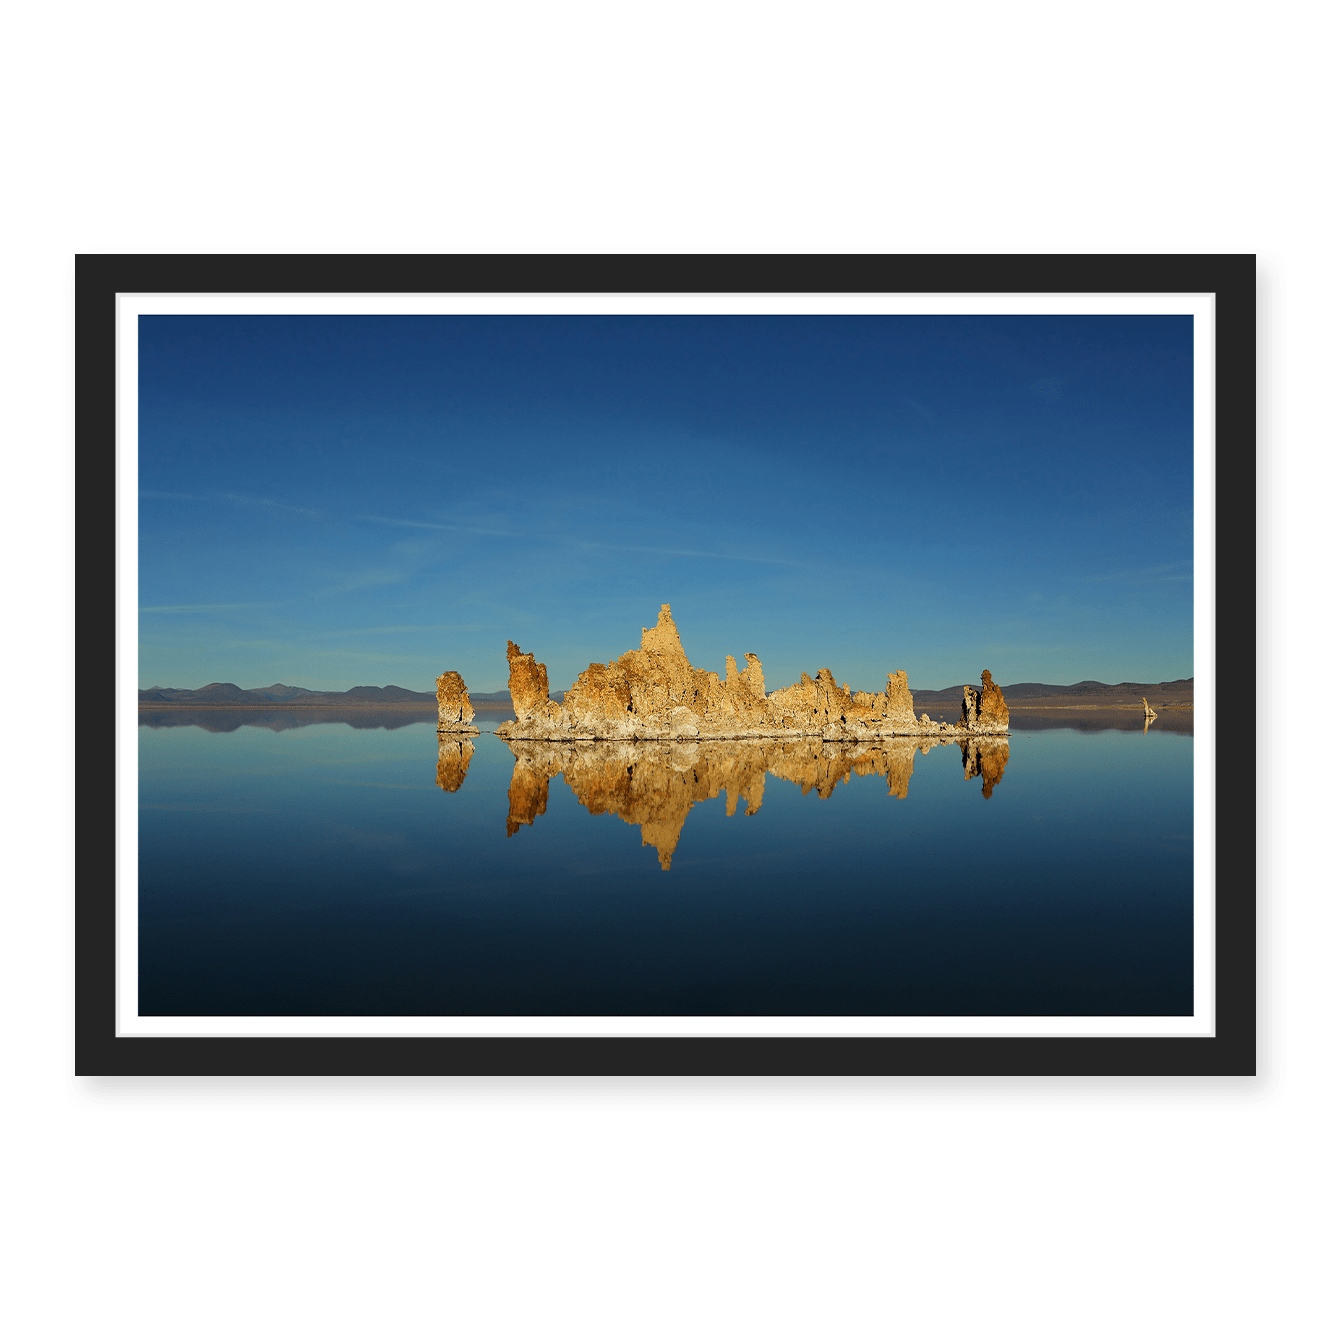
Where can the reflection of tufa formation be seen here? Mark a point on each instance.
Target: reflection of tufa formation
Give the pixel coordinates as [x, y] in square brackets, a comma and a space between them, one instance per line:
[655, 693]
[1150, 714]
[454, 757]
[455, 709]
[985, 758]
[654, 785]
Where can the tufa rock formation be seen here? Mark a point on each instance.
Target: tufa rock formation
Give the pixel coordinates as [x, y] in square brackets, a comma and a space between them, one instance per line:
[654, 785]
[454, 757]
[528, 683]
[984, 712]
[993, 715]
[455, 709]
[1148, 711]
[656, 693]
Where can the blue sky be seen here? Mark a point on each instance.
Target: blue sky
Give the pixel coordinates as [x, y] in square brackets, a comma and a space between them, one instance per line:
[332, 501]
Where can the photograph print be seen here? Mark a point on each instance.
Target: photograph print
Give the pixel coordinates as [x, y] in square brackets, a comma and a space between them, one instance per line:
[672, 666]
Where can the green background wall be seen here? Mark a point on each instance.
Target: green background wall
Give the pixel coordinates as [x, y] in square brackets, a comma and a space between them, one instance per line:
[776, 123]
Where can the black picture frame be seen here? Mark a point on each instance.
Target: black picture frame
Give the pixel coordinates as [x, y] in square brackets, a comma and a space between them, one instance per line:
[99, 1051]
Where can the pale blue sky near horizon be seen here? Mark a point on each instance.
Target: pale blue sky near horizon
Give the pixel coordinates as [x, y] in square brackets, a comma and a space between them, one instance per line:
[342, 500]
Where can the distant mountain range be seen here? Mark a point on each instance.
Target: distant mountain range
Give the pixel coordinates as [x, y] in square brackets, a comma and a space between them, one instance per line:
[286, 696]
[1087, 693]
[283, 695]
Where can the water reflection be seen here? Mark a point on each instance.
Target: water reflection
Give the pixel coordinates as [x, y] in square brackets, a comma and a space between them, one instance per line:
[985, 758]
[454, 757]
[1090, 721]
[226, 720]
[654, 785]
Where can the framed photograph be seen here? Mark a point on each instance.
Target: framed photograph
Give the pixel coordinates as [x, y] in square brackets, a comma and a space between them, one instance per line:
[695, 665]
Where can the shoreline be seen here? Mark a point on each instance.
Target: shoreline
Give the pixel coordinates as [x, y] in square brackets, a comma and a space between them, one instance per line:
[504, 706]
[423, 708]
[1083, 706]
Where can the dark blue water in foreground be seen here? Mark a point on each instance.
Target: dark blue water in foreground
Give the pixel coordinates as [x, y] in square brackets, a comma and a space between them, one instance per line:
[322, 871]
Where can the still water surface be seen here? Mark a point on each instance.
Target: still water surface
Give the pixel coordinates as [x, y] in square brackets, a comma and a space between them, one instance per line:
[332, 870]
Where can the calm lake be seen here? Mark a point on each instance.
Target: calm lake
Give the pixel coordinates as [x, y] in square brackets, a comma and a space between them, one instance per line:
[336, 869]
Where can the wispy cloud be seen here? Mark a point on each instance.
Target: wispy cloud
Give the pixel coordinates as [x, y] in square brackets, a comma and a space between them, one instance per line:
[584, 545]
[410, 628]
[920, 409]
[202, 609]
[244, 809]
[252, 501]
[245, 500]
[439, 526]
[394, 657]
[377, 785]
[361, 581]
[689, 554]
[1164, 572]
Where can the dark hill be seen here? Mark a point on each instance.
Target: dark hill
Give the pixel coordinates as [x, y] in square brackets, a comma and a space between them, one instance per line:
[284, 690]
[1089, 692]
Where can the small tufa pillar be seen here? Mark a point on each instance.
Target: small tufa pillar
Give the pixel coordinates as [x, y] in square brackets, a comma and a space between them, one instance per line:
[455, 710]
[969, 707]
[984, 712]
[528, 682]
[993, 713]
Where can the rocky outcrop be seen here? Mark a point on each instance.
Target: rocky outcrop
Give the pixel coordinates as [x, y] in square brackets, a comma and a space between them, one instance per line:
[993, 715]
[528, 684]
[455, 709]
[1148, 710]
[984, 711]
[654, 785]
[656, 693]
[454, 757]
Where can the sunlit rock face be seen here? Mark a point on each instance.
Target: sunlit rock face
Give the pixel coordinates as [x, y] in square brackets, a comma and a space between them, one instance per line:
[601, 693]
[528, 683]
[984, 711]
[454, 757]
[654, 785]
[993, 715]
[822, 706]
[455, 710]
[656, 693]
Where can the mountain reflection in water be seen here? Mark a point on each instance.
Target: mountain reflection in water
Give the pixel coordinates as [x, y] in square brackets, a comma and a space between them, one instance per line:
[653, 785]
[226, 720]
